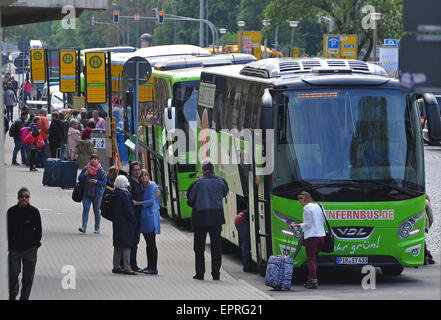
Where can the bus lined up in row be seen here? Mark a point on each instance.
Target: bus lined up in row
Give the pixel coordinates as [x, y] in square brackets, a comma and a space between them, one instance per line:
[339, 129]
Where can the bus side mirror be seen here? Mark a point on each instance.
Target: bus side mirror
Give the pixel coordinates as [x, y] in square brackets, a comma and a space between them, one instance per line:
[433, 117]
[170, 117]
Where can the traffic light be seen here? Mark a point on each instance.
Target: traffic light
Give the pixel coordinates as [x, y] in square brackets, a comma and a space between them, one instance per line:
[92, 21]
[155, 12]
[161, 17]
[115, 16]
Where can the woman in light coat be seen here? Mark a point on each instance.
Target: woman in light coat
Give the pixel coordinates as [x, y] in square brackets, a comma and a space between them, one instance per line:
[73, 137]
[84, 149]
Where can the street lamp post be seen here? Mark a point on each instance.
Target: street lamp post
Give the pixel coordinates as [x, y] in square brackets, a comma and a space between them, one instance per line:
[266, 23]
[222, 31]
[240, 24]
[375, 16]
[292, 24]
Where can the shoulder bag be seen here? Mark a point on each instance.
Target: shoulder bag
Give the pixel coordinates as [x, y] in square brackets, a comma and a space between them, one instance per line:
[78, 191]
[328, 246]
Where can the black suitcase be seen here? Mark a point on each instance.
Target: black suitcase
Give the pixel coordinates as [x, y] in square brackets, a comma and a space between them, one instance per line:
[51, 174]
[68, 174]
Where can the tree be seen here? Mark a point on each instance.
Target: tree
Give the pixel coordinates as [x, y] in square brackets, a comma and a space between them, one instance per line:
[348, 16]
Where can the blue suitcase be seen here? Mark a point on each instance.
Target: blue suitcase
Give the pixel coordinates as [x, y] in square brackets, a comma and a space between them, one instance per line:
[68, 174]
[51, 174]
[280, 268]
[279, 272]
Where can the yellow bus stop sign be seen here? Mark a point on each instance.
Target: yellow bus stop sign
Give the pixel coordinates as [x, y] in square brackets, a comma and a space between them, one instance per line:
[38, 66]
[95, 77]
[68, 71]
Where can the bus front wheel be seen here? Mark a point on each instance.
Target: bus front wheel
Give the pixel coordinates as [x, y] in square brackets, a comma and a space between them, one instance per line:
[392, 270]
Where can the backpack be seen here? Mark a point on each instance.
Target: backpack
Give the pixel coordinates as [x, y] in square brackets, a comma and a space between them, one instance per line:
[14, 130]
[106, 206]
[29, 139]
[24, 133]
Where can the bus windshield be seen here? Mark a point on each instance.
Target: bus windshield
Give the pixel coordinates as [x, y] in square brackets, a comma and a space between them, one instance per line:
[348, 144]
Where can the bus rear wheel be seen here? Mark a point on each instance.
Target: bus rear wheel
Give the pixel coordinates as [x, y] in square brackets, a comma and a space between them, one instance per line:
[392, 270]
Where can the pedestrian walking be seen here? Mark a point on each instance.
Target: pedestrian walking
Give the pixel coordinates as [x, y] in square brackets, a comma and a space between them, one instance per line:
[27, 90]
[150, 224]
[24, 239]
[242, 223]
[10, 100]
[124, 226]
[15, 132]
[205, 197]
[73, 137]
[35, 129]
[100, 123]
[137, 194]
[56, 134]
[84, 149]
[94, 177]
[44, 131]
[14, 85]
[314, 235]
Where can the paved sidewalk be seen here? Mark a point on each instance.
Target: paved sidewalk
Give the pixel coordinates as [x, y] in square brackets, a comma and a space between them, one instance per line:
[88, 256]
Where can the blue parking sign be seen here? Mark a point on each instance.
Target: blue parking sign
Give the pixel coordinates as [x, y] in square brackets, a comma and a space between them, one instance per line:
[333, 45]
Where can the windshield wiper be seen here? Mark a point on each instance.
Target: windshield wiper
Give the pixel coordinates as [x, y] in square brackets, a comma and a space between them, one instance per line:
[314, 186]
[408, 191]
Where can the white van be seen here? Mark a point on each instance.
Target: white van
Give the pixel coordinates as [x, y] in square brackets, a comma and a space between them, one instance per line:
[35, 44]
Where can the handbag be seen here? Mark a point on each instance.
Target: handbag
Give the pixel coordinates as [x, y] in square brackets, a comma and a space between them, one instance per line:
[328, 246]
[78, 191]
[39, 142]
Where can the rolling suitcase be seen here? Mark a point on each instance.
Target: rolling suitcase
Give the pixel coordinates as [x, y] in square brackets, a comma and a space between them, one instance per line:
[51, 174]
[68, 174]
[280, 268]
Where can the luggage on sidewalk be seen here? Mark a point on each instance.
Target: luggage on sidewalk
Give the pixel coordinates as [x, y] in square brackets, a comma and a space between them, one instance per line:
[51, 174]
[68, 174]
[60, 173]
[280, 268]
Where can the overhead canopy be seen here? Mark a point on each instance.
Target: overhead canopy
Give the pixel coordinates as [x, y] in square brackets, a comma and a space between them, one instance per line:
[17, 12]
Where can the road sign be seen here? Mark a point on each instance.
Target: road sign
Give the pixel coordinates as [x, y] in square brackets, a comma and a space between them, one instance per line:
[18, 62]
[295, 52]
[341, 46]
[251, 40]
[144, 71]
[391, 42]
[96, 77]
[68, 70]
[305, 56]
[422, 74]
[333, 45]
[137, 17]
[38, 66]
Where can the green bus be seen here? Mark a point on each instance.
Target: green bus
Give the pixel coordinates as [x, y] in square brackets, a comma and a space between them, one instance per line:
[174, 83]
[339, 129]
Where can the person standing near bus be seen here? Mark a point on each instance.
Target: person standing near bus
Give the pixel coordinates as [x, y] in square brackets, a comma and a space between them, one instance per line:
[314, 234]
[24, 239]
[137, 194]
[27, 89]
[205, 197]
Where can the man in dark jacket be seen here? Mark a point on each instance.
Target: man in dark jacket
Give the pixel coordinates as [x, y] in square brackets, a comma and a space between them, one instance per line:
[56, 134]
[205, 196]
[24, 236]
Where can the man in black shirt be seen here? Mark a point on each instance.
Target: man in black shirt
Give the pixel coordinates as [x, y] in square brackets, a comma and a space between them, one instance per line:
[24, 236]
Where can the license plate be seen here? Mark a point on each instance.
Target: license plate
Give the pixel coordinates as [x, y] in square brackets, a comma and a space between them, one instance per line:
[352, 260]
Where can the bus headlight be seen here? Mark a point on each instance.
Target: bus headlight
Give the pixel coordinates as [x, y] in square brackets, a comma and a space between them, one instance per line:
[407, 228]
